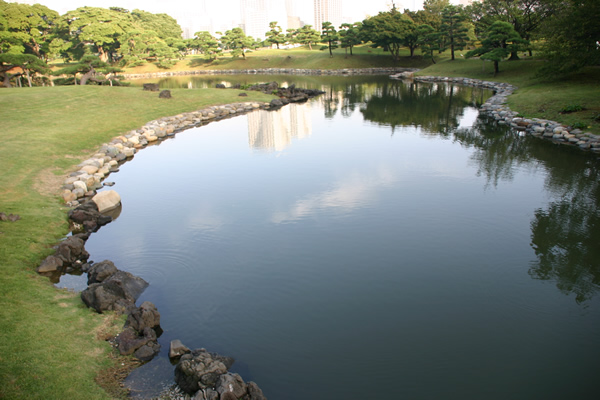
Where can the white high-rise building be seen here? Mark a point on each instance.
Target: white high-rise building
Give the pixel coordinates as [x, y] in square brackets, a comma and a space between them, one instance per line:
[257, 14]
[328, 11]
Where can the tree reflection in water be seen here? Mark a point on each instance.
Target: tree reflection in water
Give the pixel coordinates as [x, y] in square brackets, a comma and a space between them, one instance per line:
[565, 234]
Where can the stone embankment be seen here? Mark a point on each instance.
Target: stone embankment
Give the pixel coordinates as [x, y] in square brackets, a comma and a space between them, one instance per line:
[497, 108]
[271, 71]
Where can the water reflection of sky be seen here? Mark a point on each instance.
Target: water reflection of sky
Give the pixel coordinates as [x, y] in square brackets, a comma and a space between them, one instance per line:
[334, 237]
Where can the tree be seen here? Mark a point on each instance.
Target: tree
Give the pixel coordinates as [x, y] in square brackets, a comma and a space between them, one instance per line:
[207, 44]
[572, 37]
[428, 40]
[29, 27]
[389, 30]
[86, 66]
[350, 35]
[329, 36]
[163, 25]
[100, 29]
[454, 32]
[15, 65]
[432, 12]
[501, 39]
[237, 41]
[307, 36]
[274, 36]
[526, 16]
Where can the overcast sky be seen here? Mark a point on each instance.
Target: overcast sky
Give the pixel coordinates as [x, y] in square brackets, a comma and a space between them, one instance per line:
[356, 9]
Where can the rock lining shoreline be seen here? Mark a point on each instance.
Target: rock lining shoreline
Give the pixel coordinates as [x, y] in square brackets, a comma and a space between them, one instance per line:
[497, 108]
[271, 71]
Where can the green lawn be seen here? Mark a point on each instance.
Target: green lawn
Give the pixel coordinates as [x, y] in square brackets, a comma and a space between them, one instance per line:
[300, 57]
[48, 339]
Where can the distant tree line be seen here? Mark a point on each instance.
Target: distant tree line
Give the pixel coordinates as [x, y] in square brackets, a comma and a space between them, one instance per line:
[96, 42]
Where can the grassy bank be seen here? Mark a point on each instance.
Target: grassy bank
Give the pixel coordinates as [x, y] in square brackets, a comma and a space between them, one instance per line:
[536, 97]
[300, 57]
[49, 347]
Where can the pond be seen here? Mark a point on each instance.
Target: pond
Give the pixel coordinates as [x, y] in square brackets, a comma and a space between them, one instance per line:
[380, 241]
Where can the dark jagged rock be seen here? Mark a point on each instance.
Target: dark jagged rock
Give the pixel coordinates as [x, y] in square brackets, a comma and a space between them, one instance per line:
[145, 316]
[153, 87]
[143, 345]
[88, 216]
[119, 292]
[9, 217]
[101, 271]
[291, 94]
[165, 94]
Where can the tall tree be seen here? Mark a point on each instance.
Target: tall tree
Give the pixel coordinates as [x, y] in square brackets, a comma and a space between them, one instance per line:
[350, 35]
[432, 12]
[428, 40]
[390, 30]
[274, 35]
[207, 44]
[307, 36]
[453, 30]
[329, 36]
[237, 42]
[97, 28]
[501, 39]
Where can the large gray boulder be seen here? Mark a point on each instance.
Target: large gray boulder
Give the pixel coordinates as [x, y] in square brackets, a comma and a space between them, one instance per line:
[231, 383]
[119, 292]
[145, 316]
[143, 345]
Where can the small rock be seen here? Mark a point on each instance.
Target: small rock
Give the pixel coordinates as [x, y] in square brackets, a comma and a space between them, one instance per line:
[177, 349]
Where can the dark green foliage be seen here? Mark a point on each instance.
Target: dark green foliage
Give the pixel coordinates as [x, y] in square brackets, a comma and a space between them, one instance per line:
[571, 108]
[274, 36]
[500, 40]
[307, 36]
[237, 42]
[207, 44]
[28, 63]
[572, 37]
[329, 36]
[390, 30]
[453, 31]
[350, 35]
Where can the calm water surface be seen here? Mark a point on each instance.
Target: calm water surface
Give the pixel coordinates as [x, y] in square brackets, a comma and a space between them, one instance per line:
[381, 241]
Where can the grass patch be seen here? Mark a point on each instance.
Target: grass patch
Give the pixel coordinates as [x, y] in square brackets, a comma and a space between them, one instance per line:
[49, 342]
[536, 97]
[300, 57]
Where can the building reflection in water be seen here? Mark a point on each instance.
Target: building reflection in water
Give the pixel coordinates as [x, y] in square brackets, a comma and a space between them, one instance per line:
[274, 130]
